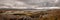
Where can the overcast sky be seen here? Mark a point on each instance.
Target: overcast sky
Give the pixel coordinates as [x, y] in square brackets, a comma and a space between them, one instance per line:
[28, 3]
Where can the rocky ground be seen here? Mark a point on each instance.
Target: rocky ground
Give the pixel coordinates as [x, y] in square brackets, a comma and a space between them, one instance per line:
[30, 15]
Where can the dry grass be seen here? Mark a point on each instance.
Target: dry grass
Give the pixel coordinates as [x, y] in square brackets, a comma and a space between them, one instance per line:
[31, 15]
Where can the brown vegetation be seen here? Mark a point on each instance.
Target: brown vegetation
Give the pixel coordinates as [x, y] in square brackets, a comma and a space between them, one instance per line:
[30, 15]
